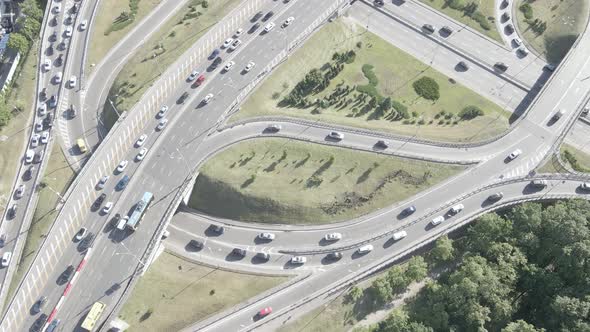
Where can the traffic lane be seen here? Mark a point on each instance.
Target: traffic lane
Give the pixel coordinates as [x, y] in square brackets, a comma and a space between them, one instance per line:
[579, 136]
[483, 80]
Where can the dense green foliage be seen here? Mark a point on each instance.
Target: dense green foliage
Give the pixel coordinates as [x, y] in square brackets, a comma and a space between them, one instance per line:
[527, 10]
[470, 9]
[427, 88]
[470, 112]
[527, 270]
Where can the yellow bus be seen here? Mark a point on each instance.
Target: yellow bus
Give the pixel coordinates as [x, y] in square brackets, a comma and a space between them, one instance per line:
[81, 145]
[93, 316]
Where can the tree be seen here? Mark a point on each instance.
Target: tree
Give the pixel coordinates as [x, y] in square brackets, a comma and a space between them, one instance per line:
[398, 321]
[397, 279]
[18, 42]
[443, 250]
[486, 230]
[30, 28]
[354, 294]
[427, 88]
[416, 269]
[521, 326]
[470, 112]
[31, 9]
[380, 291]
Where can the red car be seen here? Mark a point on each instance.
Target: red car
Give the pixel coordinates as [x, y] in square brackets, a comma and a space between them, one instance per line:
[199, 80]
[264, 312]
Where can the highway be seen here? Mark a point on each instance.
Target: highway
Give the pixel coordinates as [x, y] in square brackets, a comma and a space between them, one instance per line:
[179, 148]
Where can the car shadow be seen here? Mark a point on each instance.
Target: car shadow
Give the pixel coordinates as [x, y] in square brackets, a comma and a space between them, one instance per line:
[323, 242]
[327, 260]
[258, 240]
[190, 248]
[531, 189]
[427, 227]
[257, 260]
[357, 254]
[231, 257]
[211, 232]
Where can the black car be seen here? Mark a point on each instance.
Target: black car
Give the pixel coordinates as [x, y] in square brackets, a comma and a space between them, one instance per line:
[334, 256]
[256, 17]
[115, 220]
[39, 304]
[239, 252]
[379, 2]
[446, 30]
[263, 256]
[87, 241]
[98, 201]
[182, 98]
[66, 275]
[48, 121]
[59, 61]
[52, 102]
[501, 66]
[496, 197]
[29, 173]
[409, 210]
[254, 28]
[12, 211]
[267, 16]
[74, 9]
[217, 229]
[43, 94]
[39, 323]
[196, 245]
[509, 28]
[216, 62]
[2, 240]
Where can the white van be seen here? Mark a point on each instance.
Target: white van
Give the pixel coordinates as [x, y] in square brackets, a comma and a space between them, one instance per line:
[399, 235]
[437, 220]
[122, 223]
[457, 208]
[6, 258]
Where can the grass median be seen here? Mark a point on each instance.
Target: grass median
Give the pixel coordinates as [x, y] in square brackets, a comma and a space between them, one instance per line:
[283, 181]
[575, 158]
[376, 70]
[173, 38]
[113, 21]
[175, 293]
[564, 20]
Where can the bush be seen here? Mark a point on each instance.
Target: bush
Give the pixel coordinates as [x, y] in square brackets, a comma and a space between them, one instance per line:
[470, 112]
[456, 4]
[427, 88]
[527, 10]
[205, 4]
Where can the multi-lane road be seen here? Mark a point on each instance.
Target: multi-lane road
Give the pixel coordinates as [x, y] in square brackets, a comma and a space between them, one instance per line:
[187, 140]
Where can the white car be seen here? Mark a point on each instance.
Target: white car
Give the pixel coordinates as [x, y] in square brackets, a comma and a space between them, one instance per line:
[83, 25]
[107, 207]
[43, 109]
[162, 124]
[365, 249]
[207, 98]
[298, 260]
[44, 137]
[141, 154]
[437, 220]
[457, 208]
[227, 42]
[269, 27]
[20, 191]
[333, 237]
[229, 65]
[336, 135]
[514, 154]
[29, 155]
[72, 81]
[266, 236]
[517, 41]
[249, 66]
[122, 165]
[35, 140]
[193, 75]
[58, 77]
[235, 44]
[81, 234]
[399, 235]
[102, 182]
[38, 126]
[6, 258]
[585, 186]
[289, 21]
[140, 140]
[46, 65]
[238, 32]
[68, 32]
[523, 51]
[162, 111]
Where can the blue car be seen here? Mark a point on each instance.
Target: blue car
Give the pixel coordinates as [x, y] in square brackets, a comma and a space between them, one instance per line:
[214, 54]
[122, 183]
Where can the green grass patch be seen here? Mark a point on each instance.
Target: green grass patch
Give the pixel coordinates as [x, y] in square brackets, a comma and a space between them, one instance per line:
[385, 71]
[57, 179]
[173, 38]
[283, 181]
[175, 293]
[550, 166]
[576, 159]
[480, 18]
[564, 21]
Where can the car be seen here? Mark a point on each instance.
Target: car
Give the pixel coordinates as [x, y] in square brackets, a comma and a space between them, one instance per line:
[399, 235]
[229, 65]
[463, 65]
[48, 121]
[254, 28]
[264, 312]
[107, 207]
[29, 173]
[101, 183]
[162, 111]
[53, 325]
[122, 222]
[227, 42]
[429, 28]
[39, 304]
[216, 62]
[238, 32]
[141, 154]
[72, 82]
[298, 260]
[273, 128]
[269, 27]
[193, 75]
[585, 185]
[12, 211]
[29, 155]
[263, 256]
[68, 32]
[122, 165]
[43, 94]
[333, 237]
[43, 109]
[2, 240]
[509, 28]
[115, 220]
[249, 66]
[38, 126]
[334, 256]
[46, 65]
[214, 54]
[365, 249]
[235, 44]
[239, 252]
[446, 30]
[35, 140]
[6, 258]
[539, 183]
[83, 25]
[182, 98]
[87, 241]
[456, 209]
[523, 51]
[199, 81]
[39, 323]
[57, 78]
[20, 191]
[336, 135]
[194, 244]
[56, 9]
[207, 98]
[267, 16]
[38, 157]
[501, 66]
[98, 202]
[217, 229]
[66, 274]
[409, 210]
[161, 124]
[379, 2]
[551, 67]
[256, 17]
[266, 236]
[514, 154]
[496, 197]
[45, 137]
[437, 220]
[517, 41]
[383, 144]
[288, 21]
[141, 140]
[505, 16]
